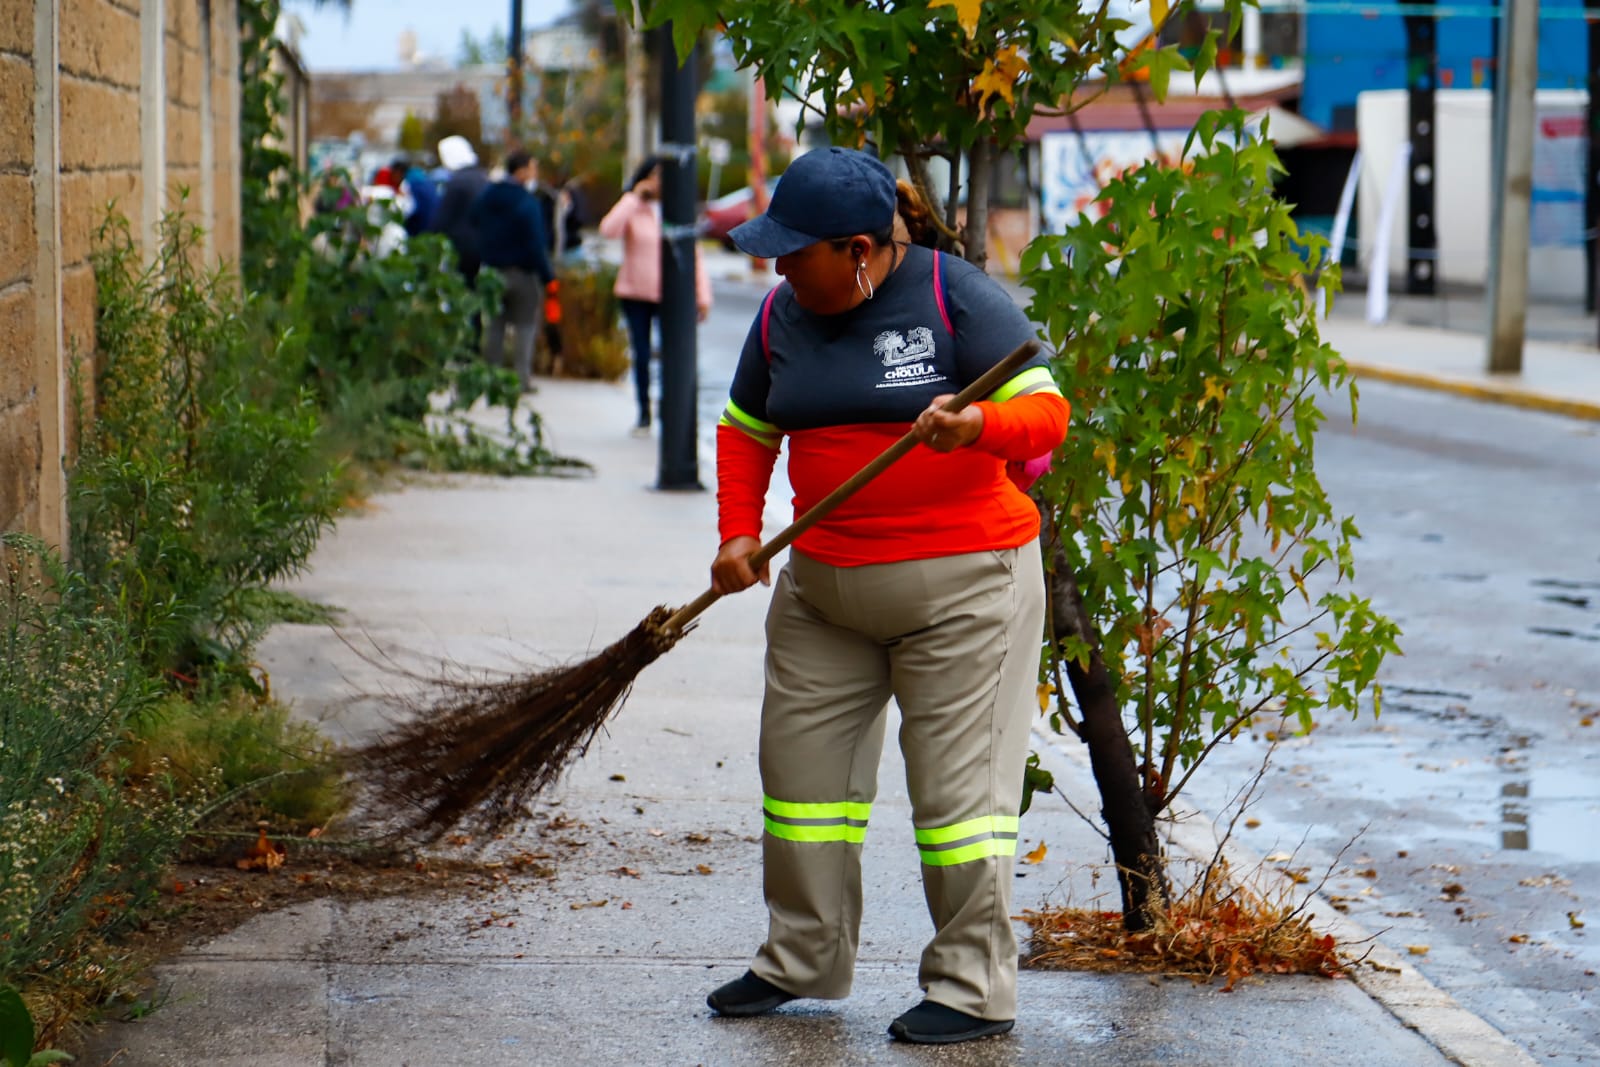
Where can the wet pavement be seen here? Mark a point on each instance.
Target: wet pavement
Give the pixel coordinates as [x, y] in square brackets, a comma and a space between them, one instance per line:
[1472, 803]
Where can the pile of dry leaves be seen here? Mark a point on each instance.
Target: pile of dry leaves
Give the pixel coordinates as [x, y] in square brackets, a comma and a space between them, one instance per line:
[1216, 929]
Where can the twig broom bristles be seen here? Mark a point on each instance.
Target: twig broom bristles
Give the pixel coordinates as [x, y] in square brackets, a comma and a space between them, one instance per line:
[476, 757]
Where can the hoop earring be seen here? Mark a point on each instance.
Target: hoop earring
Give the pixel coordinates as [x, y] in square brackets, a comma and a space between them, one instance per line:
[867, 290]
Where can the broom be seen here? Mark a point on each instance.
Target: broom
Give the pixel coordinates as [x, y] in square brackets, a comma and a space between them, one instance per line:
[473, 759]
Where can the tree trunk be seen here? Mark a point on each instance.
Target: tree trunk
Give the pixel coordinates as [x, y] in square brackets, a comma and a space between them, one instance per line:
[1129, 819]
[980, 172]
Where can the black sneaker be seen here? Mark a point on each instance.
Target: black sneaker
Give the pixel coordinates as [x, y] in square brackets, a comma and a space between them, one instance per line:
[934, 1024]
[748, 995]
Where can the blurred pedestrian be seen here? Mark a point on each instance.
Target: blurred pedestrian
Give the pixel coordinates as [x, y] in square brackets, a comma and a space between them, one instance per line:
[511, 239]
[572, 215]
[636, 221]
[424, 195]
[467, 179]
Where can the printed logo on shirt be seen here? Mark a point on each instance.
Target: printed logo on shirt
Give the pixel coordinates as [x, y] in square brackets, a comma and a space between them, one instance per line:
[907, 358]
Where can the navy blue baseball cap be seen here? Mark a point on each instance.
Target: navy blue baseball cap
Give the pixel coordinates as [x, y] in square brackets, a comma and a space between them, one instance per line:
[827, 192]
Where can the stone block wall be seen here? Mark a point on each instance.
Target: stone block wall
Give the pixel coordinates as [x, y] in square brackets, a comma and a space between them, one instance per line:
[19, 417]
[104, 105]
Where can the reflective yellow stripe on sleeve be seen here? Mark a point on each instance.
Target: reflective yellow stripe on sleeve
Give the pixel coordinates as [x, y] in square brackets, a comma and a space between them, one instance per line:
[841, 820]
[1032, 380]
[752, 427]
[974, 839]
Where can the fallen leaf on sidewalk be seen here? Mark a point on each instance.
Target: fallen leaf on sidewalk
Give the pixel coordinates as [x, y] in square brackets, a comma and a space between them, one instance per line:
[1573, 920]
[627, 872]
[1518, 939]
[703, 868]
[698, 838]
[1417, 950]
[1036, 855]
[581, 904]
[1545, 881]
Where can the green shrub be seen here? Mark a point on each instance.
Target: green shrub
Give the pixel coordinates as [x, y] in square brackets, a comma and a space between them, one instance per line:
[247, 749]
[390, 326]
[81, 846]
[592, 342]
[200, 476]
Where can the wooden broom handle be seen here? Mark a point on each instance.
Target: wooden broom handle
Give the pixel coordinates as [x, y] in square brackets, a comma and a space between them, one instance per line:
[986, 383]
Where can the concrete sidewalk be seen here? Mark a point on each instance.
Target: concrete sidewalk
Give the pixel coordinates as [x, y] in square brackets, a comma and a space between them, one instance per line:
[1563, 379]
[656, 895]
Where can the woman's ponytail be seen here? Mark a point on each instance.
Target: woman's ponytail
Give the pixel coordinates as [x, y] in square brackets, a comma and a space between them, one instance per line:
[914, 212]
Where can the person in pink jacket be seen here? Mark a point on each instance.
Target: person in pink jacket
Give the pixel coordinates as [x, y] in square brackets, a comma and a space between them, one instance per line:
[636, 221]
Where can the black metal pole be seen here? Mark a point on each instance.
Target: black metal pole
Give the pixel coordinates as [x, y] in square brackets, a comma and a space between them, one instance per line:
[1422, 78]
[679, 466]
[514, 72]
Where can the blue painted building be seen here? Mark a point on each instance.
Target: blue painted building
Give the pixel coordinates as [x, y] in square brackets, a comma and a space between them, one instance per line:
[1349, 52]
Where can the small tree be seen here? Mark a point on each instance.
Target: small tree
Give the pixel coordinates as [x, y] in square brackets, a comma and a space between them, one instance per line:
[413, 137]
[1184, 513]
[456, 112]
[572, 123]
[1184, 521]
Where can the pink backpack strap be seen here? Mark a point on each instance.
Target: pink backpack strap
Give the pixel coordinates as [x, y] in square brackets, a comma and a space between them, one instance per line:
[766, 322]
[938, 294]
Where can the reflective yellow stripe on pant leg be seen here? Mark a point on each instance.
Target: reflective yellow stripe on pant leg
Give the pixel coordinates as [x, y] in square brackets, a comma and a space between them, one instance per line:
[973, 839]
[839, 820]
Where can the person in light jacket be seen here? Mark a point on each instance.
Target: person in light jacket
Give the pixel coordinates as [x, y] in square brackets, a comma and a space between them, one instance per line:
[636, 221]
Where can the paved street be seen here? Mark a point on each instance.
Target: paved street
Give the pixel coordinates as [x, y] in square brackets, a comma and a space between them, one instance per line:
[1473, 801]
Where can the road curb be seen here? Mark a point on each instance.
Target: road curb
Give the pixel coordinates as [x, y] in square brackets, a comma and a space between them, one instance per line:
[1459, 1034]
[1488, 392]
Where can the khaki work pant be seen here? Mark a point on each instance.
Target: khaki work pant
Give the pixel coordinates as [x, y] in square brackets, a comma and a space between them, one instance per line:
[955, 641]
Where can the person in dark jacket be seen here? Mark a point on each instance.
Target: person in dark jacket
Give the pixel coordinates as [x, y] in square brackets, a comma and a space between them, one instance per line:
[467, 179]
[424, 199]
[510, 229]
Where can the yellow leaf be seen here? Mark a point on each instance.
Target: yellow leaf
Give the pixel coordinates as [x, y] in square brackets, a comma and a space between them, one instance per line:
[1045, 692]
[1417, 950]
[1215, 390]
[1106, 453]
[1000, 76]
[1036, 855]
[1158, 12]
[967, 12]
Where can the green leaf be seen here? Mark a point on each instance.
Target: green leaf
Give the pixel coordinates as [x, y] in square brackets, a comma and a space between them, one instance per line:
[49, 1055]
[1161, 63]
[1034, 779]
[1206, 58]
[16, 1029]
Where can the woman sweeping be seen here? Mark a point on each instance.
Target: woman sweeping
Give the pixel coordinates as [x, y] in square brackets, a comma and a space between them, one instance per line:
[925, 586]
